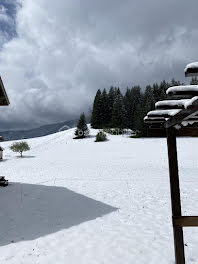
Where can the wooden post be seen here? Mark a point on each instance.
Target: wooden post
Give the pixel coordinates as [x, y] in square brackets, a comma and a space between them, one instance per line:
[175, 195]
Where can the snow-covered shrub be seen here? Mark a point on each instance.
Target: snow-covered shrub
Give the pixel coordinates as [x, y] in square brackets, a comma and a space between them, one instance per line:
[101, 136]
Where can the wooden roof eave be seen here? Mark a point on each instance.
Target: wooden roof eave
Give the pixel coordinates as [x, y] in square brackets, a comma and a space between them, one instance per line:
[5, 97]
[191, 72]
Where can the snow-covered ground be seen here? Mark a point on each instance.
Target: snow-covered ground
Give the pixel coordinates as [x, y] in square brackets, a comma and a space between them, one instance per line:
[81, 202]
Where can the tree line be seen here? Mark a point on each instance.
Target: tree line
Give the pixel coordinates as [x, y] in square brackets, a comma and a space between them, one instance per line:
[113, 109]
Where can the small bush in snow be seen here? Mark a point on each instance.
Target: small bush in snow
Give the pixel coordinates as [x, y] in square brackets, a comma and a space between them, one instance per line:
[101, 136]
[137, 134]
[20, 147]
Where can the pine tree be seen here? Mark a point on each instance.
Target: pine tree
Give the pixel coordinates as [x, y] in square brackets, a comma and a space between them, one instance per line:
[149, 102]
[163, 87]
[111, 99]
[105, 110]
[140, 112]
[135, 100]
[194, 81]
[175, 83]
[128, 104]
[119, 113]
[82, 130]
[96, 117]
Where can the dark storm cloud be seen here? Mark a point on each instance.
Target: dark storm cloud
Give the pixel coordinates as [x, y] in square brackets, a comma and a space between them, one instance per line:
[8, 11]
[63, 51]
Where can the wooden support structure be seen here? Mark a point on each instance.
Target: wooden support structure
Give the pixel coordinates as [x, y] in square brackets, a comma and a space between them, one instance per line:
[175, 195]
[171, 119]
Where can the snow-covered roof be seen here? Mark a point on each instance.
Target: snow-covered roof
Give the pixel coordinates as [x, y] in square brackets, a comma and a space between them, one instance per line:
[183, 91]
[163, 113]
[191, 69]
[172, 108]
[185, 108]
[154, 119]
[172, 104]
[191, 65]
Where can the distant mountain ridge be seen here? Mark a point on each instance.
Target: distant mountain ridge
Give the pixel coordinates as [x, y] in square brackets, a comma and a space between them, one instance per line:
[38, 132]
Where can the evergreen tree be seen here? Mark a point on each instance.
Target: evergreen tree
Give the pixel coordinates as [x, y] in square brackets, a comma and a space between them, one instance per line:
[82, 130]
[119, 113]
[114, 110]
[149, 101]
[135, 100]
[156, 92]
[163, 87]
[96, 117]
[105, 109]
[140, 112]
[175, 83]
[194, 81]
[111, 98]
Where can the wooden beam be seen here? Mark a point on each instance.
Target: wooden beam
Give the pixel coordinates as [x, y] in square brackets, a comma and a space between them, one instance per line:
[187, 132]
[182, 132]
[175, 195]
[184, 114]
[187, 221]
[3, 91]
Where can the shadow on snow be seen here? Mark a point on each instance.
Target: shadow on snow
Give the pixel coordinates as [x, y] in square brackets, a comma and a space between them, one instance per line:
[30, 211]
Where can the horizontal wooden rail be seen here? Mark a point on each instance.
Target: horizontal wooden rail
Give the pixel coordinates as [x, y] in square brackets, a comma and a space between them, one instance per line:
[182, 132]
[185, 221]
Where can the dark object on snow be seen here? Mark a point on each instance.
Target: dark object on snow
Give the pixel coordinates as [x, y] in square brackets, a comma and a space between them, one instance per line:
[174, 115]
[1, 153]
[3, 181]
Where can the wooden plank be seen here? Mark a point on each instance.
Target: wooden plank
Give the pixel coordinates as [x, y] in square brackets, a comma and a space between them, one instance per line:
[187, 221]
[175, 195]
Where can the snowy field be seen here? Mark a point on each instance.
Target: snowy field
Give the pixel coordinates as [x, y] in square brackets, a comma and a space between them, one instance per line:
[81, 202]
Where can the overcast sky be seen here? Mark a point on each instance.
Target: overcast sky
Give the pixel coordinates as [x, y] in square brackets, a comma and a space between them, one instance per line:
[54, 55]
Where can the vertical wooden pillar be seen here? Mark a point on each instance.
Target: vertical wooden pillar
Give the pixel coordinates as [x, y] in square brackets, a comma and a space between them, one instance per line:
[175, 195]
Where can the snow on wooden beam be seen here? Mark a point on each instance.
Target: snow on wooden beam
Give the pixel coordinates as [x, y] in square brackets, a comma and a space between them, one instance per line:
[191, 69]
[183, 91]
[171, 104]
[154, 120]
[163, 113]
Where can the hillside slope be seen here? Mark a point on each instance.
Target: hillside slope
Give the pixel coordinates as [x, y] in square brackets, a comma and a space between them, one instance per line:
[81, 202]
[37, 132]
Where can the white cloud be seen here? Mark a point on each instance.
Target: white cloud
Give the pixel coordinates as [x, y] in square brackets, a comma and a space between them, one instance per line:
[65, 50]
